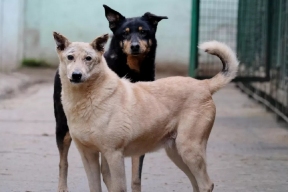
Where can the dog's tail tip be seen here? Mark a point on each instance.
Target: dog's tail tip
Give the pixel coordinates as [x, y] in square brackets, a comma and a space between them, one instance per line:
[212, 46]
[229, 61]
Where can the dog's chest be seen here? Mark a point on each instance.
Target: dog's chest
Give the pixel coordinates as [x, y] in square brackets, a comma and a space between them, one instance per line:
[83, 127]
[80, 115]
[78, 110]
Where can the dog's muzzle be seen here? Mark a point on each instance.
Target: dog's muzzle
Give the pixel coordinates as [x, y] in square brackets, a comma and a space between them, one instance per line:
[135, 48]
[76, 77]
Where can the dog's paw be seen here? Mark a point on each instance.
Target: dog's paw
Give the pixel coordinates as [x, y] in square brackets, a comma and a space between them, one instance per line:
[63, 190]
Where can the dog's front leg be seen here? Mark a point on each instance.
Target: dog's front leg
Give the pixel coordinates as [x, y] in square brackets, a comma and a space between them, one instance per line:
[115, 160]
[106, 172]
[91, 164]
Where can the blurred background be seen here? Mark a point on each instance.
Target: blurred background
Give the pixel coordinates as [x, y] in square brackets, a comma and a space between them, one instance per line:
[250, 132]
[27, 26]
[257, 30]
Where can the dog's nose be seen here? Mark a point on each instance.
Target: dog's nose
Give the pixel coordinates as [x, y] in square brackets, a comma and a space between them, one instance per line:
[76, 76]
[135, 47]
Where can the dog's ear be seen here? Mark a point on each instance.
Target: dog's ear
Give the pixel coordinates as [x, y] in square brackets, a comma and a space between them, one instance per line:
[113, 17]
[99, 43]
[61, 41]
[153, 19]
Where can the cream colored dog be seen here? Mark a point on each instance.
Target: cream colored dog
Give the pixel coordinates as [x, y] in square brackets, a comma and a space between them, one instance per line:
[117, 118]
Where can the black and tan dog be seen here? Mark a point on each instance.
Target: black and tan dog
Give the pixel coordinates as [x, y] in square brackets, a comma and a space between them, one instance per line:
[131, 54]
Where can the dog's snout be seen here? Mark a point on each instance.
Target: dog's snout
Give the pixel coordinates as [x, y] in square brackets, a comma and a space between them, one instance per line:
[135, 47]
[76, 76]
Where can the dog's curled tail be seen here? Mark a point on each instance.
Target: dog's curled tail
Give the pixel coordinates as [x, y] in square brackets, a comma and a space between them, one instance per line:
[229, 61]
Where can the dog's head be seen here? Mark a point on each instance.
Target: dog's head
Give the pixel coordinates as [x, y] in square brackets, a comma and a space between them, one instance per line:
[134, 35]
[80, 60]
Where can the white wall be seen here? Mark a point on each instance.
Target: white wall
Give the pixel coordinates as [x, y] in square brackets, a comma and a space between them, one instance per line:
[26, 26]
[83, 20]
[11, 39]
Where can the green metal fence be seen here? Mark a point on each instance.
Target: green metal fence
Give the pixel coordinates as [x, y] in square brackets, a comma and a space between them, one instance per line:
[253, 46]
[272, 15]
[258, 31]
[211, 20]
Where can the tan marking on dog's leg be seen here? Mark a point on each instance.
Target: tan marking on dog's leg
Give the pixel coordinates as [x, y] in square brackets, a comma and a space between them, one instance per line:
[115, 161]
[136, 181]
[63, 165]
[172, 153]
[106, 172]
[90, 160]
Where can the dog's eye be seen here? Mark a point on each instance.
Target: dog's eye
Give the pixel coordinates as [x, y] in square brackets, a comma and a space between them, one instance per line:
[143, 32]
[70, 57]
[88, 58]
[125, 34]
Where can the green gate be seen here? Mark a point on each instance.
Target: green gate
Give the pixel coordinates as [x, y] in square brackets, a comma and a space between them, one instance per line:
[258, 31]
[211, 20]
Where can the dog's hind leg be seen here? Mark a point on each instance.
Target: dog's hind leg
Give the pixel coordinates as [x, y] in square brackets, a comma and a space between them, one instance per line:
[63, 138]
[191, 141]
[63, 144]
[194, 158]
[137, 164]
[172, 153]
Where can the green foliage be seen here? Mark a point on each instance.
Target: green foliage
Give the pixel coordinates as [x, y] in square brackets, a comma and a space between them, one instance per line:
[34, 63]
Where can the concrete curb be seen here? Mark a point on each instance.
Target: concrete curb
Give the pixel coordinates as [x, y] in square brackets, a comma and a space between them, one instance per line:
[15, 82]
[12, 83]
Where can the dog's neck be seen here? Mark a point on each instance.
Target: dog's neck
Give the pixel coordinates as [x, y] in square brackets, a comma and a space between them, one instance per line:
[134, 62]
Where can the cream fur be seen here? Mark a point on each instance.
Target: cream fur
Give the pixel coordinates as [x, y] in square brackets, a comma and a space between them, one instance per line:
[117, 118]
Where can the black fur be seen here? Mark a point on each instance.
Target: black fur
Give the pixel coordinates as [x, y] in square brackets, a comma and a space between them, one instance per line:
[116, 58]
[117, 61]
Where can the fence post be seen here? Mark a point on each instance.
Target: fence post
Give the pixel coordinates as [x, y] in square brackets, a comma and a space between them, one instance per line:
[268, 39]
[194, 37]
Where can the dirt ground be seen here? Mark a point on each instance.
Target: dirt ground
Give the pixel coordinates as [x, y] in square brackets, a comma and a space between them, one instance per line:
[247, 150]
